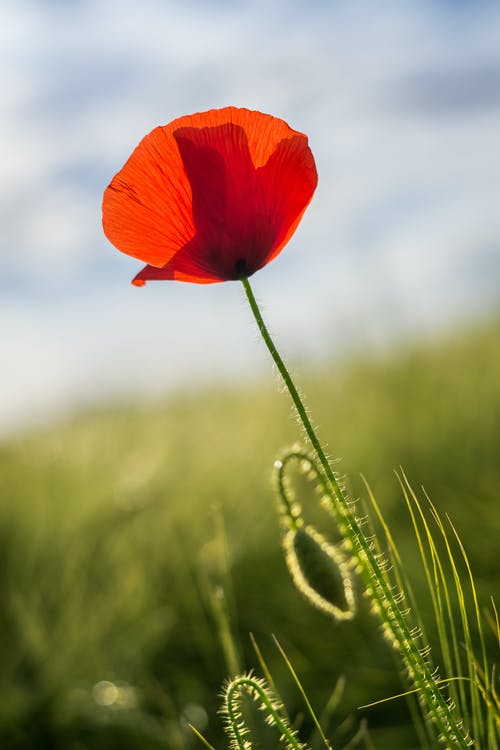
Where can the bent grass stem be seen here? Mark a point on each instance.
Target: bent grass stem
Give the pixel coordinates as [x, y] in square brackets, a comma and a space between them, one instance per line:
[371, 569]
[236, 725]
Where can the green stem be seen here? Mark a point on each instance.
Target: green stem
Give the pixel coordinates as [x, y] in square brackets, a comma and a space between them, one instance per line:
[301, 410]
[236, 724]
[380, 589]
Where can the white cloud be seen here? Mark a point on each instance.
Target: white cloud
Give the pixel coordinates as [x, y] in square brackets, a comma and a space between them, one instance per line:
[408, 189]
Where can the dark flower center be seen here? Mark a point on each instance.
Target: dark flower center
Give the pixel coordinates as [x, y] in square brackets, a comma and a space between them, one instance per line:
[241, 269]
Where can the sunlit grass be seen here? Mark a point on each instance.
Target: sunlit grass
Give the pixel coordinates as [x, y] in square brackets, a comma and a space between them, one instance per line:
[113, 563]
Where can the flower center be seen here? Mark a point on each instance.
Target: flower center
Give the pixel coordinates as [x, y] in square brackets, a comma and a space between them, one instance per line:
[241, 269]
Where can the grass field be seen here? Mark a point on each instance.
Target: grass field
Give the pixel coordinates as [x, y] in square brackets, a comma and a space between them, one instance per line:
[139, 547]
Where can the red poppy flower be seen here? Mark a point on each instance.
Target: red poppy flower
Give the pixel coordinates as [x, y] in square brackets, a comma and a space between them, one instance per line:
[210, 197]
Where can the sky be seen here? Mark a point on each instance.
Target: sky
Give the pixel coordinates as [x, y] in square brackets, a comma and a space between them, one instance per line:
[401, 103]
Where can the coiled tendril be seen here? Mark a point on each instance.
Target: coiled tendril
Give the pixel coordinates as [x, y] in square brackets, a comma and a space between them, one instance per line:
[320, 570]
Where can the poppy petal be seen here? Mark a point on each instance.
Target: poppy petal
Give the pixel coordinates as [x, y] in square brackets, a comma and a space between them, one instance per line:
[289, 179]
[169, 273]
[186, 265]
[147, 207]
[211, 196]
[263, 131]
[225, 194]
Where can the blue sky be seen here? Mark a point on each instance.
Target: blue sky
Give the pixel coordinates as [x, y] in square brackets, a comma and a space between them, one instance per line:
[401, 102]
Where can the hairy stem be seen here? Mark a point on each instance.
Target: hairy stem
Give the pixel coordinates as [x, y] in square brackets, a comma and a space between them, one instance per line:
[367, 561]
[235, 723]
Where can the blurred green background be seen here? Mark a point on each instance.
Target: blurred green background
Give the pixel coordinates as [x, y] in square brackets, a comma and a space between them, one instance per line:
[129, 532]
[126, 533]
